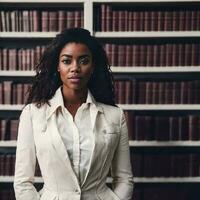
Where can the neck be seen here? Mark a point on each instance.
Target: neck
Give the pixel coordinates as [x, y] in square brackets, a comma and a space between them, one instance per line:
[74, 97]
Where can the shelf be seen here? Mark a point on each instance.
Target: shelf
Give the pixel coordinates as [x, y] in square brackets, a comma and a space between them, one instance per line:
[164, 143]
[10, 143]
[136, 34]
[26, 35]
[117, 69]
[9, 179]
[147, 34]
[8, 107]
[155, 69]
[132, 143]
[160, 107]
[145, 1]
[17, 73]
[42, 1]
[142, 107]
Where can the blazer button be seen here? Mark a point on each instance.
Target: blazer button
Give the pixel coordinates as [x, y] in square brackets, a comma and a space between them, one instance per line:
[77, 191]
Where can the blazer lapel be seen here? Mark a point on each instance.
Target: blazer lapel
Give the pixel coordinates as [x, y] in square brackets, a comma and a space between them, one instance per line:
[94, 109]
[60, 147]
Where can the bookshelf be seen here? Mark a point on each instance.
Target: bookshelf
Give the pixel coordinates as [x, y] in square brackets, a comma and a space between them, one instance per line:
[91, 10]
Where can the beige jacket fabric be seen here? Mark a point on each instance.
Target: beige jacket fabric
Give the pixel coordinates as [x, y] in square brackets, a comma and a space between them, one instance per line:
[38, 136]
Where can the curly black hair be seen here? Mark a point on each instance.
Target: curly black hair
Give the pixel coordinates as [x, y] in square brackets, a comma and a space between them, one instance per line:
[47, 79]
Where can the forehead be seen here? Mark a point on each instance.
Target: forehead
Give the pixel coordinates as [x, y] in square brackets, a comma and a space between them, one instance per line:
[74, 48]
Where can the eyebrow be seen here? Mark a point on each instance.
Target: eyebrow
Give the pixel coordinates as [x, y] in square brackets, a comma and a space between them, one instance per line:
[82, 56]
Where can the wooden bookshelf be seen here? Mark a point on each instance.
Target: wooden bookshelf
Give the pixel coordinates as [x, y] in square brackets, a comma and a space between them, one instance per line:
[130, 71]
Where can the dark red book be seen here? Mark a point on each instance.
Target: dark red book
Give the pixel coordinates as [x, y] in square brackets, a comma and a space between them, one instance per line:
[115, 17]
[1, 94]
[121, 20]
[70, 21]
[161, 22]
[13, 129]
[7, 92]
[128, 55]
[174, 128]
[161, 93]
[121, 92]
[36, 21]
[181, 21]
[151, 57]
[121, 55]
[147, 21]
[130, 124]
[103, 17]
[61, 20]
[188, 20]
[108, 18]
[175, 61]
[141, 92]
[162, 128]
[163, 56]
[148, 92]
[149, 126]
[128, 90]
[137, 164]
[155, 92]
[143, 55]
[168, 93]
[140, 128]
[130, 21]
[53, 21]
[194, 127]
[168, 54]
[183, 128]
[45, 21]
[175, 20]
[77, 16]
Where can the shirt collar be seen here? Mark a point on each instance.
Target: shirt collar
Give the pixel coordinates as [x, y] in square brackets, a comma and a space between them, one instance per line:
[57, 101]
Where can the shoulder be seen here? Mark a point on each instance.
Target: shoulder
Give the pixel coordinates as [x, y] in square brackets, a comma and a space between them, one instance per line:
[112, 113]
[32, 110]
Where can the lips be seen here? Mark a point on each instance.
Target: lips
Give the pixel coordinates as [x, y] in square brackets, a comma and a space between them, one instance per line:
[75, 79]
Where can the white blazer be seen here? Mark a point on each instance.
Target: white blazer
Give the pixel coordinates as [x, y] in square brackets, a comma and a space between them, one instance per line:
[38, 136]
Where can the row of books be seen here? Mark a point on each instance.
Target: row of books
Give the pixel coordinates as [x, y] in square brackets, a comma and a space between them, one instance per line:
[166, 192]
[163, 128]
[155, 192]
[166, 164]
[7, 194]
[167, 54]
[37, 20]
[8, 129]
[157, 92]
[144, 165]
[20, 59]
[111, 19]
[119, 55]
[13, 92]
[158, 128]
[7, 165]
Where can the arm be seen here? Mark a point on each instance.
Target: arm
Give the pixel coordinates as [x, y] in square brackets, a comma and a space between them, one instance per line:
[25, 159]
[121, 168]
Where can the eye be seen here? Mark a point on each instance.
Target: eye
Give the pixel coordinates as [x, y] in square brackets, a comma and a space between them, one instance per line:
[66, 61]
[84, 61]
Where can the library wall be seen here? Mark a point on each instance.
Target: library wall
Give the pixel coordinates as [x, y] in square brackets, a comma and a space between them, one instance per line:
[154, 52]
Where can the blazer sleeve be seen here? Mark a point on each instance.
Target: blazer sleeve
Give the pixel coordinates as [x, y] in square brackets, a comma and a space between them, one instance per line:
[121, 170]
[25, 159]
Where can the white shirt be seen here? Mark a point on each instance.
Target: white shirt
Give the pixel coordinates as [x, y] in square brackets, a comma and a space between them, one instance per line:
[77, 135]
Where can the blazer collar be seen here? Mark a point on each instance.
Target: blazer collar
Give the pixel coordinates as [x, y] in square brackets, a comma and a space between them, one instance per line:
[57, 101]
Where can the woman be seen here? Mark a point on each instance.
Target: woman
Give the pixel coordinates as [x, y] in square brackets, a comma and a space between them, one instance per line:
[72, 126]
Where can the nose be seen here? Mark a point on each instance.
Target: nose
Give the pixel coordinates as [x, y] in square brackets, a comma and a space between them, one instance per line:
[75, 67]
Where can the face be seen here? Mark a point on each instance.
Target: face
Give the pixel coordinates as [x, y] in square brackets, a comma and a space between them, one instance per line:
[75, 66]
